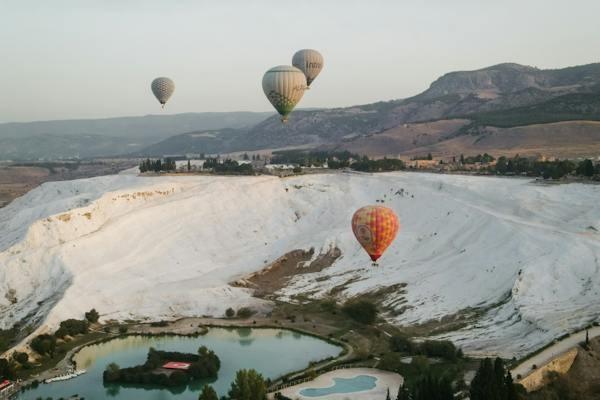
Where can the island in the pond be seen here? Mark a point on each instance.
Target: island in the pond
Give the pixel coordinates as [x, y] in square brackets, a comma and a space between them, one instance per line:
[166, 368]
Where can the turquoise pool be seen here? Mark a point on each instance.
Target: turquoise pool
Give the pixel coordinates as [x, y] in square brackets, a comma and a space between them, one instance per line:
[359, 383]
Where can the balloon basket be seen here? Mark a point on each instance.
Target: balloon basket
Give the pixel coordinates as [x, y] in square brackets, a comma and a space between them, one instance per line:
[374, 264]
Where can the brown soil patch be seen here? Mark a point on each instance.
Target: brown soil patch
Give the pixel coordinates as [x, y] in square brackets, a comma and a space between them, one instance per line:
[276, 275]
[64, 217]
[16, 181]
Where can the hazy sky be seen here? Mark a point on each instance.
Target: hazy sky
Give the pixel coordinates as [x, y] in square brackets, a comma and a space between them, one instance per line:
[96, 58]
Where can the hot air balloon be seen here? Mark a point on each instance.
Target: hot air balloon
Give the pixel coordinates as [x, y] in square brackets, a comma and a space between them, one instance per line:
[163, 88]
[284, 86]
[310, 62]
[375, 228]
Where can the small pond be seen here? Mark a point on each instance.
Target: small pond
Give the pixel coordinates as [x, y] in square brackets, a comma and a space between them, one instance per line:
[273, 352]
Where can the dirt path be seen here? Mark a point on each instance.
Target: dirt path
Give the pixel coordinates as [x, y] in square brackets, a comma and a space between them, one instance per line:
[551, 352]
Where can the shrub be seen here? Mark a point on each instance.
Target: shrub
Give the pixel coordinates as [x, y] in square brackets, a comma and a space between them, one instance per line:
[123, 329]
[402, 344]
[92, 316]
[44, 345]
[328, 305]
[439, 348]
[229, 313]
[72, 327]
[245, 312]
[21, 358]
[362, 311]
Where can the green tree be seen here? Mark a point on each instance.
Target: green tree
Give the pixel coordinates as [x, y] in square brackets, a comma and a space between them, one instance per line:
[403, 392]
[429, 387]
[7, 369]
[248, 385]
[230, 312]
[511, 389]
[402, 344]
[429, 156]
[92, 316]
[189, 166]
[387, 397]
[245, 312]
[481, 385]
[21, 358]
[44, 345]
[499, 388]
[585, 168]
[208, 393]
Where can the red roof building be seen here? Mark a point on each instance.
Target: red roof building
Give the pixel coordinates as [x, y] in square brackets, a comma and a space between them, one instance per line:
[6, 387]
[177, 365]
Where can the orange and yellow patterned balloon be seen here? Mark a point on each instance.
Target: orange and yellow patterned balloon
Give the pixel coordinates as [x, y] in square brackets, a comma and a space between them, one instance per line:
[375, 228]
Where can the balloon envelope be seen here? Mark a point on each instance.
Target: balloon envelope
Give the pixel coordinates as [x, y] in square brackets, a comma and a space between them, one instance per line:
[284, 86]
[310, 62]
[375, 228]
[163, 88]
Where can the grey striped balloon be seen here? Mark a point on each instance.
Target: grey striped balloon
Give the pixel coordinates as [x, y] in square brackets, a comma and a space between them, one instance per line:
[163, 88]
[284, 86]
[310, 62]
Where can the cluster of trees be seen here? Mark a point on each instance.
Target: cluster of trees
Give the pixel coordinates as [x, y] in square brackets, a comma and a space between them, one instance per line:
[427, 157]
[479, 158]
[255, 157]
[432, 348]
[587, 168]
[243, 312]
[428, 387]
[248, 385]
[205, 364]
[362, 311]
[44, 345]
[228, 167]
[335, 159]
[493, 382]
[7, 369]
[546, 169]
[382, 165]
[522, 165]
[157, 165]
[72, 327]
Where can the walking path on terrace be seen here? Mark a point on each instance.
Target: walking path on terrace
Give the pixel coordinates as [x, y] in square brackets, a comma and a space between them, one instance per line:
[551, 352]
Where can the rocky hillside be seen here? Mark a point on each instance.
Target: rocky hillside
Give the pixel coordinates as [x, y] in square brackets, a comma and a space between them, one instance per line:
[505, 95]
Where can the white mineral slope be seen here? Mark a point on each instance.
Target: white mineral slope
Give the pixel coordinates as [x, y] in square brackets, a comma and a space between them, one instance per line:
[524, 256]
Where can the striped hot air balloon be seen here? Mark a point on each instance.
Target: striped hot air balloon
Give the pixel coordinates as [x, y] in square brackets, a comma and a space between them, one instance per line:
[310, 62]
[375, 228]
[162, 88]
[284, 86]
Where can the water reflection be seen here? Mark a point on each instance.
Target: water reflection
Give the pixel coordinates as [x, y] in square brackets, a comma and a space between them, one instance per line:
[237, 348]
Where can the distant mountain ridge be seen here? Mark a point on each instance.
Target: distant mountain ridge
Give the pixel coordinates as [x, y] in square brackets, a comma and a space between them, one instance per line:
[111, 136]
[474, 104]
[505, 95]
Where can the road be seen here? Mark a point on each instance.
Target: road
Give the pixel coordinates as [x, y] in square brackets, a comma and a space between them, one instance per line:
[556, 349]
